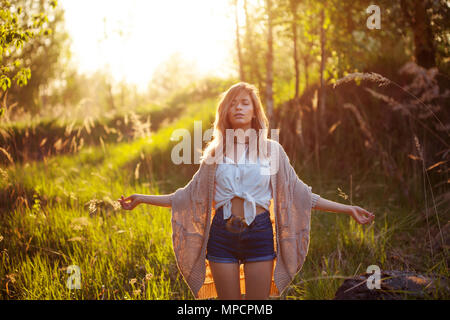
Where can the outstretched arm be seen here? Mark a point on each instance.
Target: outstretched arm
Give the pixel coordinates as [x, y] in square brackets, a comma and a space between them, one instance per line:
[166, 200]
[361, 215]
[129, 203]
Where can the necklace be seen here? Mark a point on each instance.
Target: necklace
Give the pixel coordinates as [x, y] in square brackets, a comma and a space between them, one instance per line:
[237, 142]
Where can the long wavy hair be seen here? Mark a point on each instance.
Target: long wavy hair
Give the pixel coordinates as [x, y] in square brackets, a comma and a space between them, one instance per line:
[260, 122]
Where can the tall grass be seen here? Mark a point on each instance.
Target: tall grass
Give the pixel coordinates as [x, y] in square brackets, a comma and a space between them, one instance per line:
[61, 212]
[70, 218]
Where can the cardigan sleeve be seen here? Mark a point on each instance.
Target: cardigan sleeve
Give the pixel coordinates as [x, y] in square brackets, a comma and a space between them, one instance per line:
[188, 216]
[186, 193]
[299, 185]
[315, 198]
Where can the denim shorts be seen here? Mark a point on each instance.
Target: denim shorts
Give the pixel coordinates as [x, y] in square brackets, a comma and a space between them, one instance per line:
[232, 241]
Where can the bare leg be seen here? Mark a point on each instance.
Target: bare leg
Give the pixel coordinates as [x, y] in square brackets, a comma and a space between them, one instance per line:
[226, 279]
[258, 276]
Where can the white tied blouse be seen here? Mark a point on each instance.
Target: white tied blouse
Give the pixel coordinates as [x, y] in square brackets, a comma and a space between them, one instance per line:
[243, 179]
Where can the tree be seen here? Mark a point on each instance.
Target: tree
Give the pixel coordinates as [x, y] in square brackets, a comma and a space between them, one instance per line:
[238, 42]
[253, 49]
[171, 75]
[269, 64]
[416, 13]
[32, 44]
[20, 26]
[293, 7]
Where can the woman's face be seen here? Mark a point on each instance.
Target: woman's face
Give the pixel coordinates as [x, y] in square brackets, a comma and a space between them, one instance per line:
[240, 112]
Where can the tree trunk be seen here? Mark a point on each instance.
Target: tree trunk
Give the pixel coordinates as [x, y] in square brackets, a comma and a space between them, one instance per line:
[269, 66]
[111, 103]
[322, 66]
[255, 75]
[305, 69]
[424, 50]
[238, 44]
[294, 5]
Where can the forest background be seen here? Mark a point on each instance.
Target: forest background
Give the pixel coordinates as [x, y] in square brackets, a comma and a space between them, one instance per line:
[360, 93]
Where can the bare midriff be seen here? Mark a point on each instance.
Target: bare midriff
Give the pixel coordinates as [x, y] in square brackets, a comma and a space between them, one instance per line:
[237, 207]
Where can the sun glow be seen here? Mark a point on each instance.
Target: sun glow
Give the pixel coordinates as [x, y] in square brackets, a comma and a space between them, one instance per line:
[130, 38]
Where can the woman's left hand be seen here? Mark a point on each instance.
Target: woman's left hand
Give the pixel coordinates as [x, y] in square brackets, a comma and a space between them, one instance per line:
[129, 203]
[361, 215]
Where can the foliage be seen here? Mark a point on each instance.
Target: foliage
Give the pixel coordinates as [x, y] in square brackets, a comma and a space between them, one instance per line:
[19, 27]
[43, 55]
[61, 212]
[383, 146]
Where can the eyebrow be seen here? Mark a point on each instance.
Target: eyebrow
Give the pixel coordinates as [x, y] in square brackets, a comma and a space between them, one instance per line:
[241, 99]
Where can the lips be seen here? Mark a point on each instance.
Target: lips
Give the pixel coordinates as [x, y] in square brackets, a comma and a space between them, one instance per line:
[238, 115]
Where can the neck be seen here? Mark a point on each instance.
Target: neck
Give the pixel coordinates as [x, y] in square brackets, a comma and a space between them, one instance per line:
[243, 127]
[241, 142]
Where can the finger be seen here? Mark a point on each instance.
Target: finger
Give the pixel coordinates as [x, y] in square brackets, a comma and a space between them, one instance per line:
[126, 205]
[134, 203]
[367, 216]
[364, 220]
[368, 213]
[357, 218]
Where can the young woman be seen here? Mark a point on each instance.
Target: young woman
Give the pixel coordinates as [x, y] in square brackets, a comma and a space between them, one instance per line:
[241, 231]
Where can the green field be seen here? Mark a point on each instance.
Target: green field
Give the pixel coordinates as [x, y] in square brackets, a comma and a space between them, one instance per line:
[61, 211]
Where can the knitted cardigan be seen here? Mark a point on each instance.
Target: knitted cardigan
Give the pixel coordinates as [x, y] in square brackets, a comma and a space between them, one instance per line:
[290, 210]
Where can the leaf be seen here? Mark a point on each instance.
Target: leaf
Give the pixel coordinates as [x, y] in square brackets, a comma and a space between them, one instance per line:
[136, 171]
[74, 239]
[7, 155]
[436, 164]
[413, 157]
[334, 126]
[43, 142]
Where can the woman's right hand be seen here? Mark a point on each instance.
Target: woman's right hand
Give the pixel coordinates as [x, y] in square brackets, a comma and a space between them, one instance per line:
[129, 203]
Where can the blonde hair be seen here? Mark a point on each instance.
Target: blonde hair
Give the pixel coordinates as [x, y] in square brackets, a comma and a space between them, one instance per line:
[221, 122]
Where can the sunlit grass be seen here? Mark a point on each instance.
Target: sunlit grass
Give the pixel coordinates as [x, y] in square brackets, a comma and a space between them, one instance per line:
[111, 251]
[72, 219]
[121, 254]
